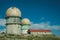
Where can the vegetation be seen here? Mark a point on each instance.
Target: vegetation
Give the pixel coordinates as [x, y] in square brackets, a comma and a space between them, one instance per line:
[30, 37]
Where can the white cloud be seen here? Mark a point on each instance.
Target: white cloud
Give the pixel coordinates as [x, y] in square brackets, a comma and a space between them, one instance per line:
[2, 25]
[2, 22]
[56, 27]
[44, 25]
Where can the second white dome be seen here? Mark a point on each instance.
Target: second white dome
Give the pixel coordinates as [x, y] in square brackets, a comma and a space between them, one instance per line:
[25, 21]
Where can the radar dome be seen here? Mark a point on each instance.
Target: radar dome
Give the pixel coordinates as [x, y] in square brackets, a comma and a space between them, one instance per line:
[13, 11]
[25, 21]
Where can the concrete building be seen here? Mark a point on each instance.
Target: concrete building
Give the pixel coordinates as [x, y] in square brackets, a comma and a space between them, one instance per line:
[25, 25]
[13, 21]
[40, 32]
[18, 26]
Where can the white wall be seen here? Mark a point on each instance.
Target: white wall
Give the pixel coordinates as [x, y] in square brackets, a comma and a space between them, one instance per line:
[24, 31]
[14, 29]
[45, 33]
[13, 20]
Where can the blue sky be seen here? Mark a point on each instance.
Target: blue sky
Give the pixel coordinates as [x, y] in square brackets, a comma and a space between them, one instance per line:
[43, 14]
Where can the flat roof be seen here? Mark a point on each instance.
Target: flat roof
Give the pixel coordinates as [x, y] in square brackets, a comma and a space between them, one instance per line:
[33, 30]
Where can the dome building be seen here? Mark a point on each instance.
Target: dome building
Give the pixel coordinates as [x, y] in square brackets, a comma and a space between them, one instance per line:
[13, 21]
[13, 11]
[25, 25]
[16, 25]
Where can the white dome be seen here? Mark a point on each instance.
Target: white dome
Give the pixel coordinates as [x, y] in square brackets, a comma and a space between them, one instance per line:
[13, 11]
[25, 21]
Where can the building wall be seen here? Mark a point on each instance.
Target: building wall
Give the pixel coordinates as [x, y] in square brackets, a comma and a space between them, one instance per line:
[25, 29]
[41, 33]
[14, 29]
[13, 20]
[13, 25]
